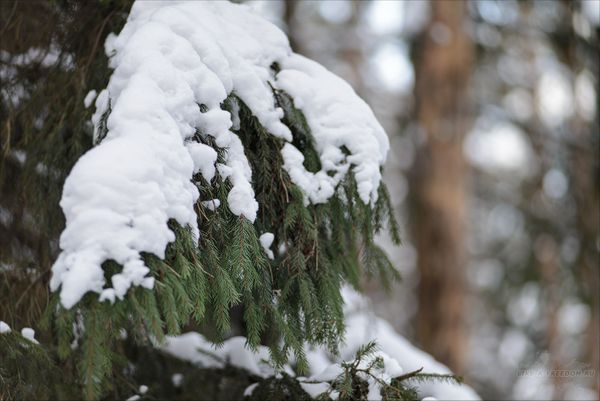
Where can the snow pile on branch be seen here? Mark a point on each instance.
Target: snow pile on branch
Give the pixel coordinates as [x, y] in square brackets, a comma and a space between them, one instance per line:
[194, 348]
[367, 369]
[26, 332]
[4, 328]
[398, 356]
[338, 119]
[169, 59]
[362, 326]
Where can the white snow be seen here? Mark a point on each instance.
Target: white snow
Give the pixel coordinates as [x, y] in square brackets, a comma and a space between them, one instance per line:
[315, 389]
[29, 334]
[4, 328]
[317, 187]
[212, 204]
[117, 201]
[194, 348]
[170, 58]
[250, 389]
[337, 118]
[204, 158]
[266, 240]
[330, 373]
[89, 98]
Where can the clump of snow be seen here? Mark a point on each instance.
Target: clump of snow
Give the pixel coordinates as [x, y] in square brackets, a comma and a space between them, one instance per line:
[170, 59]
[250, 389]
[29, 334]
[89, 98]
[212, 204]
[338, 118]
[237, 168]
[4, 328]
[266, 240]
[315, 389]
[117, 201]
[143, 389]
[204, 158]
[317, 187]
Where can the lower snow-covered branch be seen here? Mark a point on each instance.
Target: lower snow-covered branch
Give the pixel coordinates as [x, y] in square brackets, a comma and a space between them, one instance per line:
[373, 352]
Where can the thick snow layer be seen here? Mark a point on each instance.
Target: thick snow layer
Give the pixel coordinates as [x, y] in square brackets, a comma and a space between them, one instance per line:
[337, 118]
[398, 355]
[170, 59]
[317, 187]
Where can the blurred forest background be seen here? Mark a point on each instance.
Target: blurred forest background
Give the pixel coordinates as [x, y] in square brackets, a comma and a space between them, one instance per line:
[491, 110]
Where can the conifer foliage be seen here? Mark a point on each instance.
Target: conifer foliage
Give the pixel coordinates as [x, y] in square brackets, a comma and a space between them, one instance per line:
[216, 262]
[227, 173]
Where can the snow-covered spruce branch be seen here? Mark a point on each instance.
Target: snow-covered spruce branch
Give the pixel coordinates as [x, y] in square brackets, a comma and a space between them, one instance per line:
[374, 363]
[170, 60]
[227, 171]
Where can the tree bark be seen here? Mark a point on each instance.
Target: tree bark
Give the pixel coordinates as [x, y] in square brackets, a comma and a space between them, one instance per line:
[443, 60]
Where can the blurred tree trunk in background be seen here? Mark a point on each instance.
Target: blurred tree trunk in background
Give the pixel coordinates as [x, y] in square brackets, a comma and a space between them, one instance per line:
[443, 60]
